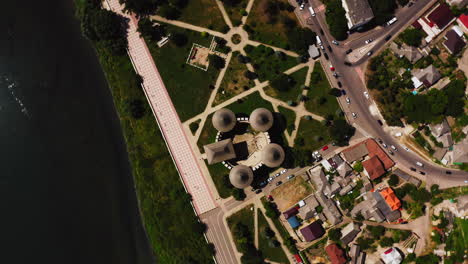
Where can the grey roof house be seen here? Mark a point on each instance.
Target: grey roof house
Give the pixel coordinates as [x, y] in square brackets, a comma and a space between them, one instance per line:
[453, 42]
[358, 12]
[219, 151]
[313, 52]
[427, 76]
[410, 52]
[349, 232]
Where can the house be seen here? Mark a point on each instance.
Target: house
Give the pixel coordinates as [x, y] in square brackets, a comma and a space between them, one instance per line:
[390, 198]
[312, 231]
[463, 22]
[357, 256]
[326, 165]
[459, 3]
[318, 177]
[439, 153]
[347, 188]
[290, 212]
[460, 152]
[293, 222]
[356, 152]
[349, 232]
[427, 76]
[373, 168]
[391, 256]
[358, 13]
[406, 177]
[335, 254]
[330, 211]
[313, 52]
[435, 22]
[375, 150]
[454, 43]
[219, 151]
[332, 189]
[307, 210]
[442, 133]
[344, 169]
[383, 206]
[335, 161]
[410, 52]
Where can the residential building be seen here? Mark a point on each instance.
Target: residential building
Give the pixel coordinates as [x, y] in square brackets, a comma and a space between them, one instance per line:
[411, 53]
[349, 232]
[332, 189]
[439, 18]
[427, 76]
[313, 52]
[358, 13]
[335, 161]
[290, 212]
[460, 152]
[459, 3]
[326, 165]
[385, 208]
[454, 43]
[308, 208]
[439, 153]
[442, 133]
[347, 188]
[391, 256]
[344, 169]
[312, 231]
[318, 177]
[463, 22]
[356, 152]
[406, 177]
[390, 198]
[373, 168]
[219, 151]
[330, 211]
[335, 254]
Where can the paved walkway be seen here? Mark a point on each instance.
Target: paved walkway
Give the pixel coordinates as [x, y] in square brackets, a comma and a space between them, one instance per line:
[166, 116]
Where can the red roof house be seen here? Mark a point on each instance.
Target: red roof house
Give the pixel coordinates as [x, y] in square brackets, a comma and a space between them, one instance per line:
[374, 167]
[441, 16]
[312, 231]
[336, 254]
[463, 22]
[390, 198]
[290, 212]
[375, 150]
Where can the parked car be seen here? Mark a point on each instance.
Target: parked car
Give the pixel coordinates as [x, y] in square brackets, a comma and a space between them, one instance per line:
[277, 174]
[384, 145]
[448, 172]
[270, 179]
[422, 172]
[302, 6]
[394, 148]
[283, 171]
[412, 169]
[347, 63]
[343, 92]
[366, 94]
[380, 122]
[335, 74]
[388, 37]
[368, 41]
[335, 42]
[340, 85]
[279, 183]
[325, 55]
[391, 152]
[290, 176]
[325, 148]
[349, 51]
[354, 115]
[329, 48]
[380, 141]
[410, 4]
[263, 184]
[348, 101]
[270, 198]
[370, 53]
[258, 191]
[419, 164]
[321, 31]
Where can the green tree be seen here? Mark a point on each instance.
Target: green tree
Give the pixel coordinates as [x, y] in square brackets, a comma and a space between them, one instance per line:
[358, 167]
[217, 62]
[282, 82]
[412, 37]
[336, 19]
[341, 132]
[141, 8]
[137, 108]
[238, 194]
[376, 231]
[364, 243]
[299, 39]
[334, 234]
[394, 180]
[169, 12]
[179, 39]
[335, 92]
[386, 242]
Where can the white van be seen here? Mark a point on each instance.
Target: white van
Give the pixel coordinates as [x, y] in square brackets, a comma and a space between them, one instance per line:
[311, 10]
[319, 41]
[393, 20]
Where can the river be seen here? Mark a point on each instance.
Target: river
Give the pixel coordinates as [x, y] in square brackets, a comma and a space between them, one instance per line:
[66, 188]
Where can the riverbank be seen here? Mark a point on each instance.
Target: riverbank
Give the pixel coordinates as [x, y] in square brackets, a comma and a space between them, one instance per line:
[172, 228]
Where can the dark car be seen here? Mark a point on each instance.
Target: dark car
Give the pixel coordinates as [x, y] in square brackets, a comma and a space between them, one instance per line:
[329, 48]
[412, 169]
[340, 85]
[387, 38]
[263, 184]
[448, 172]
[380, 122]
[380, 141]
[326, 55]
[422, 172]
[410, 4]
[321, 31]
[258, 191]
[343, 92]
[347, 63]
[279, 183]
[349, 51]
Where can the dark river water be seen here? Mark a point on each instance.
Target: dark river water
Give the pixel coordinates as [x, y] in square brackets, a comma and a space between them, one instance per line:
[66, 190]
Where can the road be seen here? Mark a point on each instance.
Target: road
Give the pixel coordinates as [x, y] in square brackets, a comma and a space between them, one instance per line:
[352, 82]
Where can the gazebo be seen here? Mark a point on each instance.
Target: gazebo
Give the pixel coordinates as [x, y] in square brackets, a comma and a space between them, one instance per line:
[261, 119]
[272, 155]
[224, 120]
[241, 176]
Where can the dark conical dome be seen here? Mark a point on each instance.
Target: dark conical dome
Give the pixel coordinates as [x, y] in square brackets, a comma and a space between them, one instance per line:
[224, 120]
[241, 176]
[272, 155]
[261, 119]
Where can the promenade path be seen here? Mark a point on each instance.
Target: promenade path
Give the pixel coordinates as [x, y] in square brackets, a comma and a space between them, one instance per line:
[166, 117]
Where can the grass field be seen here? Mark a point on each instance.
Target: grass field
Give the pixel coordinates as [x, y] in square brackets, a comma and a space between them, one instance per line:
[270, 31]
[173, 231]
[235, 11]
[267, 63]
[244, 216]
[275, 254]
[457, 241]
[188, 87]
[314, 133]
[290, 117]
[234, 81]
[218, 172]
[204, 13]
[292, 94]
[320, 89]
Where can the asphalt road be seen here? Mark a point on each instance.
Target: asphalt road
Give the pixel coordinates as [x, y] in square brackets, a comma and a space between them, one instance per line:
[355, 88]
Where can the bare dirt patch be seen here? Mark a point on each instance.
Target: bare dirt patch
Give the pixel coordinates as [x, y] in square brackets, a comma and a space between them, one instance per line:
[291, 192]
[198, 57]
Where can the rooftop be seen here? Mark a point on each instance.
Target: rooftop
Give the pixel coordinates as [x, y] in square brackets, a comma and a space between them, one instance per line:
[428, 76]
[374, 167]
[336, 254]
[224, 120]
[219, 151]
[312, 231]
[355, 152]
[390, 198]
[358, 12]
[241, 176]
[261, 119]
[441, 16]
[454, 43]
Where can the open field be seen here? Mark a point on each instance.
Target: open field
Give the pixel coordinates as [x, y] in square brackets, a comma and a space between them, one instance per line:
[267, 63]
[291, 192]
[235, 10]
[188, 87]
[204, 13]
[313, 133]
[319, 89]
[234, 82]
[291, 94]
[290, 117]
[275, 254]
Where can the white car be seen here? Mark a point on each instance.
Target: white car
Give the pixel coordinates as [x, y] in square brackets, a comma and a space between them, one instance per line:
[366, 94]
[270, 179]
[368, 41]
[347, 100]
[335, 42]
[384, 145]
[406, 148]
[302, 6]
[283, 171]
[419, 164]
[290, 176]
[393, 147]
[354, 115]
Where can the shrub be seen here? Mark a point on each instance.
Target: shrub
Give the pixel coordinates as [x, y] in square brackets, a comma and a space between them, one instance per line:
[217, 62]
[394, 180]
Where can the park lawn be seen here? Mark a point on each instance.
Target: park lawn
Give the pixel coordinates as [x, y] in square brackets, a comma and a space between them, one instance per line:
[245, 106]
[235, 10]
[234, 82]
[457, 241]
[321, 89]
[290, 117]
[188, 87]
[269, 33]
[314, 133]
[271, 253]
[218, 172]
[244, 216]
[291, 94]
[173, 231]
[204, 13]
[267, 64]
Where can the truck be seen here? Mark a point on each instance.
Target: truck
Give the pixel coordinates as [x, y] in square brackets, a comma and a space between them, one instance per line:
[391, 21]
[319, 42]
[311, 10]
